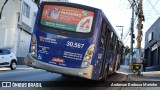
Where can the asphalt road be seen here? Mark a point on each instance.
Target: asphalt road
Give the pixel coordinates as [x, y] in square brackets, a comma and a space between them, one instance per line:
[24, 73]
[31, 74]
[53, 81]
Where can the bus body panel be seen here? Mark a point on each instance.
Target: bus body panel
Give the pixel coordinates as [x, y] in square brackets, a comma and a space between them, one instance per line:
[60, 50]
[64, 54]
[85, 72]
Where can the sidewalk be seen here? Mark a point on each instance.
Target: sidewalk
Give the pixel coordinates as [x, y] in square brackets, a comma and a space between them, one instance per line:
[145, 76]
[125, 69]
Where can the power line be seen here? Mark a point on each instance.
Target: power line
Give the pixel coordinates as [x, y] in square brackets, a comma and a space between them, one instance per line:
[135, 10]
[134, 5]
[156, 3]
[127, 40]
[126, 35]
[154, 6]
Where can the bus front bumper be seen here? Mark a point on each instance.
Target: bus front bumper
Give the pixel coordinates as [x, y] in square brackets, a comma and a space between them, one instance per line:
[85, 72]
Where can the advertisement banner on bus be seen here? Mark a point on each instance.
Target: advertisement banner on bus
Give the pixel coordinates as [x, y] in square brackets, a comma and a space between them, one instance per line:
[67, 18]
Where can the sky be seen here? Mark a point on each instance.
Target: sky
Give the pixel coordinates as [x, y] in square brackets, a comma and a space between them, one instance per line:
[119, 13]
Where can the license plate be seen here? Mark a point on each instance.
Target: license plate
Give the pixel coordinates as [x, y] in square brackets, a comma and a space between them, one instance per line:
[60, 60]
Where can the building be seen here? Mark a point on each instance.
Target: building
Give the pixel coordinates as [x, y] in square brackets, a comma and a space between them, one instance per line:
[128, 57]
[152, 44]
[16, 25]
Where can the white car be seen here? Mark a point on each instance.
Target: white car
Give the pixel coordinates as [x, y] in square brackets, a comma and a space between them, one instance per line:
[8, 59]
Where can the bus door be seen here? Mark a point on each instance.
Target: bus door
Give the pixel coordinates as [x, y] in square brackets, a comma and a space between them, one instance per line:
[103, 47]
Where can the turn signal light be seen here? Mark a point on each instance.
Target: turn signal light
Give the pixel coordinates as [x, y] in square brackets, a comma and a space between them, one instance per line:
[89, 52]
[33, 41]
[85, 73]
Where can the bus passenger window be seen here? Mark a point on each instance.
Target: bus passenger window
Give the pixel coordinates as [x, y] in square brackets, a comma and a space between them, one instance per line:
[103, 31]
[103, 28]
[111, 35]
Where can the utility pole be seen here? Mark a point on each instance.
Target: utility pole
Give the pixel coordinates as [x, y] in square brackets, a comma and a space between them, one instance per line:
[140, 26]
[122, 31]
[132, 35]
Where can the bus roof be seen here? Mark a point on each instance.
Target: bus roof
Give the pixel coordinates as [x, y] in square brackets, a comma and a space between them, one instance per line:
[70, 4]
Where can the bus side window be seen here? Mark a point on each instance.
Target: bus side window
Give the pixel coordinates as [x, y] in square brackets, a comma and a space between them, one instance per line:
[115, 47]
[111, 43]
[119, 49]
[102, 36]
[103, 31]
[115, 42]
[108, 34]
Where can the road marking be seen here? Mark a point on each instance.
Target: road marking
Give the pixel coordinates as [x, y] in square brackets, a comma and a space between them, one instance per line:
[125, 73]
[152, 72]
[16, 68]
[5, 69]
[25, 68]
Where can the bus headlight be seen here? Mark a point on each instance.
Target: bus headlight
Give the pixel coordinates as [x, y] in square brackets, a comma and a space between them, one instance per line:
[88, 57]
[33, 53]
[86, 63]
[33, 47]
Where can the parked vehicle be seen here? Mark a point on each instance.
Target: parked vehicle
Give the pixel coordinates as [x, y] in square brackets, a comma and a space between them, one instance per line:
[8, 59]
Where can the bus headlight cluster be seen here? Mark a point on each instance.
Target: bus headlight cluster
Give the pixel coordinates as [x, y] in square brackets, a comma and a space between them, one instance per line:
[33, 46]
[88, 56]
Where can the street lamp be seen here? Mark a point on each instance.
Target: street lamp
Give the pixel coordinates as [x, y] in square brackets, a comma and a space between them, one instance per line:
[122, 31]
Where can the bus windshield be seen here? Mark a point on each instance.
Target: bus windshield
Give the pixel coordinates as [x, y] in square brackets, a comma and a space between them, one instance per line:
[67, 18]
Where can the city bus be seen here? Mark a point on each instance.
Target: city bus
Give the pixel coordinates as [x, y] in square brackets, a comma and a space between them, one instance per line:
[76, 40]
